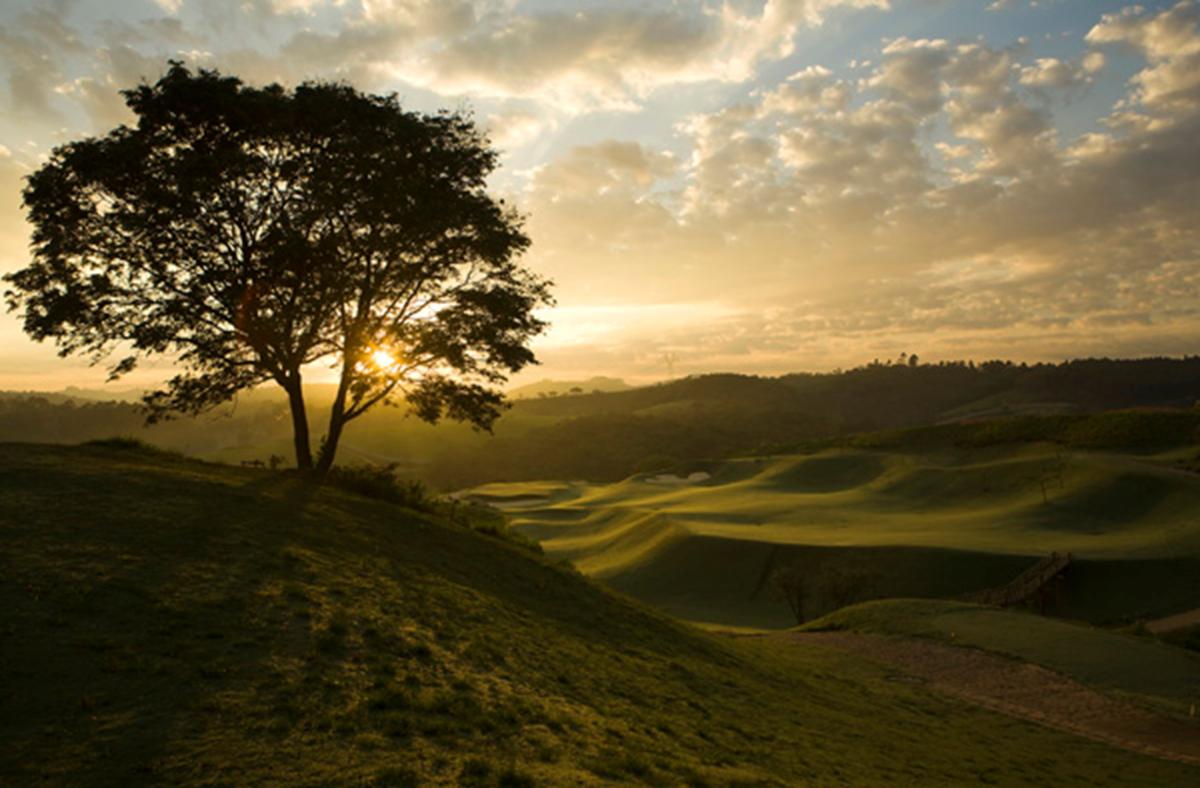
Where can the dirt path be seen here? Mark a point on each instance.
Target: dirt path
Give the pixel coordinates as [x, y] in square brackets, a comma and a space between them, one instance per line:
[1177, 621]
[1020, 689]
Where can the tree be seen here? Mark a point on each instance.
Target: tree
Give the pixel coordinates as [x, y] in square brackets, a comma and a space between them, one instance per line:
[252, 232]
[847, 582]
[791, 586]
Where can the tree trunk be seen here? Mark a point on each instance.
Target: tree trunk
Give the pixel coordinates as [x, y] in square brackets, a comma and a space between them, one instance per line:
[329, 447]
[295, 391]
[337, 421]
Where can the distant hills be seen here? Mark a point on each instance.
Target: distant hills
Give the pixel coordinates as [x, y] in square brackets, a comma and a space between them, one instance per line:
[130, 394]
[552, 388]
[606, 435]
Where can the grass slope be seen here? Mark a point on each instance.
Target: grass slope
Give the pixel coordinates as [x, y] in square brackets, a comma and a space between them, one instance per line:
[171, 621]
[1166, 677]
[938, 521]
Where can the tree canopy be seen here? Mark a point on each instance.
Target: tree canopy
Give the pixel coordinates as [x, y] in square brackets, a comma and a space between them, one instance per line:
[251, 232]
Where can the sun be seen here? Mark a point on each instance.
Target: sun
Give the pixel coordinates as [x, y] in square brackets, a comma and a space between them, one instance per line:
[383, 359]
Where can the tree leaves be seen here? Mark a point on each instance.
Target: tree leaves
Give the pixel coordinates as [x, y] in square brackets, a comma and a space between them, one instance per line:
[251, 231]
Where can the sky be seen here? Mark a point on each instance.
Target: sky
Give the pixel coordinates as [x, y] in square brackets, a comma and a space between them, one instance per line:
[758, 186]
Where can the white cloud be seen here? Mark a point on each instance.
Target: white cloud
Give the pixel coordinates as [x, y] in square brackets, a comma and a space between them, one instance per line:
[1049, 72]
[910, 73]
[609, 56]
[613, 58]
[513, 128]
[1170, 43]
[811, 88]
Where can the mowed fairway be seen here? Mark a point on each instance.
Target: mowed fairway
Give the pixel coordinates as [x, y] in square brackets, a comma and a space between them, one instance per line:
[930, 523]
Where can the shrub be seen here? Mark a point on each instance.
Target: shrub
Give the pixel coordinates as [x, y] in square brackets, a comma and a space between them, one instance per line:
[486, 520]
[381, 482]
[130, 444]
[120, 442]
[792, 587]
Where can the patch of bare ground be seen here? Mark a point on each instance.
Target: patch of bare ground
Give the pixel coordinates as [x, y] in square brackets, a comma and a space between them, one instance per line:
[1169, 624]
[1020, 689]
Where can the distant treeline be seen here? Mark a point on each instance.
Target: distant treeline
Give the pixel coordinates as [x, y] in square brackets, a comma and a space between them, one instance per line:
[879, 395]
[608, 435]
[1129, 430]
[51, 418]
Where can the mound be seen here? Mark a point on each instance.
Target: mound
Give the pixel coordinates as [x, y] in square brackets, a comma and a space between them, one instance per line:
[827, 473]
[171, 621]
[941, 522]
[726, 582]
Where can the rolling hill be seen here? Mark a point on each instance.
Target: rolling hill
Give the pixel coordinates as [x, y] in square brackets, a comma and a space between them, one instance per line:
[167, 620]
[608, 435]
[920, 518]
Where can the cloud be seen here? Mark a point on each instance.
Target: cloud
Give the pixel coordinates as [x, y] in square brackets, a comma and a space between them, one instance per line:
[1171, 45]
[1049, 72]
[512, 128]
[911, 73]
[615, 57]
[599, 229]
[31, 49]
[119, 66]
[826, 205]
[596, 58]
[811, 88]
[14, 232]
[925, 200]
[611, 56]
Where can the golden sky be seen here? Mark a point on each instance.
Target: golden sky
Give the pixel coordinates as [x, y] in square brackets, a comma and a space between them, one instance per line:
[744, 185]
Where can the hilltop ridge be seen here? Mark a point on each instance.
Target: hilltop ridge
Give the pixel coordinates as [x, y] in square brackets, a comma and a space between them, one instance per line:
[607, 436]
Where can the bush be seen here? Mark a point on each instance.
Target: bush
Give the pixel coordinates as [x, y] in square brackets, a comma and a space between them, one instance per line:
[486, 520]
[121, 442]
[382, 483]
[130, 444]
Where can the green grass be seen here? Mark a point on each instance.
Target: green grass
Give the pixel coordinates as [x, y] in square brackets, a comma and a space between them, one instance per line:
[932, 522]
[1165, 676]
[171, 621]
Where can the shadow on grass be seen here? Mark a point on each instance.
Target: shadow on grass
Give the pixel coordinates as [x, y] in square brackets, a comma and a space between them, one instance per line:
[133, 606]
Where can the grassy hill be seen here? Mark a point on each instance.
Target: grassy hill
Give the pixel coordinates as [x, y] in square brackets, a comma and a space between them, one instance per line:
[170, 621]
[918, 518]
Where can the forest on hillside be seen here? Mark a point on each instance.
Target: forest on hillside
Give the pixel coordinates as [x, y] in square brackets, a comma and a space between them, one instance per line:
[607, 435]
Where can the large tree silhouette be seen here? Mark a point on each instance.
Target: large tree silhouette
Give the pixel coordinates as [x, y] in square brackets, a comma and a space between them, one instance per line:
[250, 232]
